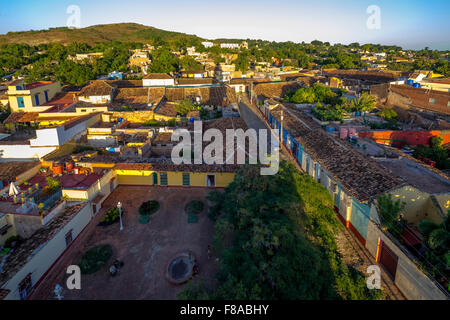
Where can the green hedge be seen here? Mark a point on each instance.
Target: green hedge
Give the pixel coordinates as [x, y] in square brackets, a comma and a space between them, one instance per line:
[95, 258]
[149, 207]
[111, 216]
[195, 206]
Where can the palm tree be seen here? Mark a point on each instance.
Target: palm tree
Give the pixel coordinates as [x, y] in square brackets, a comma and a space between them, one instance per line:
[364, 103]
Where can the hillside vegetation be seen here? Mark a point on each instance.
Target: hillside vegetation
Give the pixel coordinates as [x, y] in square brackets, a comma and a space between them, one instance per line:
[95, 34]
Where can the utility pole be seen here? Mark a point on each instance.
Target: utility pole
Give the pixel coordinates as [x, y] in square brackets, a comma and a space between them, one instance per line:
[281, 133]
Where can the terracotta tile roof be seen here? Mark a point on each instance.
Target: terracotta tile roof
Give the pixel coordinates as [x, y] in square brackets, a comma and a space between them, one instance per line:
[362, 176]
[168, 165]
[38, 84]
[125, 83]
[157, 76]
[420, 98]
[34, 116]
[15, 117]
[162, 137]
[194, 81]
[378, 76]
[247, 81]
[10, 170]
[96, 88]
[29, 247]
[166, 109]
[275, 89]
[139, 96]
[216, 95]
[73, 122]
[291, 123]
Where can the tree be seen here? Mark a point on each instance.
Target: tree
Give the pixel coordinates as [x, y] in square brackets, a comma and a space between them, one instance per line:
[282, 231]
[184, 107]
[390, 211]
[53, 183]
[242, 62]
[304, 95]
[388, 114]
[364, 103]
[189, 63]
[437, 239]
[163, 61]
[436, 152]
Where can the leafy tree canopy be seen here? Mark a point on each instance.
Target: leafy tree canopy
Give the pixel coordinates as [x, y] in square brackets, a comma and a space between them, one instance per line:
[276, 239]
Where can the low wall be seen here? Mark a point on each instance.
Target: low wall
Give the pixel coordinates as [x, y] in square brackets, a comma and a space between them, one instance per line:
[412, 138]
[411, 281]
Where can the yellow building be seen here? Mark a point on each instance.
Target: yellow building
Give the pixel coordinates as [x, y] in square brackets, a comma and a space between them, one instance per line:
[368, 58]
[31, 97]
[442, 84]
[173, 175]
[139, 59]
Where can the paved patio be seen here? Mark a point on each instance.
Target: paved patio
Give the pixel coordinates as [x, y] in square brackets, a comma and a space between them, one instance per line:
[147, 249]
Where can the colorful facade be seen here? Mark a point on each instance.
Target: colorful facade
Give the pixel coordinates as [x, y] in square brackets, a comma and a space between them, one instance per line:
[31, 97]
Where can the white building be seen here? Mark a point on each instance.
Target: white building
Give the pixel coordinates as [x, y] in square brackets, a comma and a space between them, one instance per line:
[98, 92]
[230, 45]
[157, 80]
[207, 44]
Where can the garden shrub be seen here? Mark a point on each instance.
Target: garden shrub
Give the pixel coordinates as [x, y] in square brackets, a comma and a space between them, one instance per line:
[95, 258]
[149, 207]
[111, 216]
[195, 206]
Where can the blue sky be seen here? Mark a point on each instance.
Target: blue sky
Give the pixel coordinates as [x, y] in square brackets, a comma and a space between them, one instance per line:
[411, 24]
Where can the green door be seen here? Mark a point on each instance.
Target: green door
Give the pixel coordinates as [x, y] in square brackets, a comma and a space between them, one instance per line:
[163, 179]
[155, 178]
[186, 179]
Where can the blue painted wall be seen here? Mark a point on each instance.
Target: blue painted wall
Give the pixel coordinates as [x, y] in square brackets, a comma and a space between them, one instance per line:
[360, 217]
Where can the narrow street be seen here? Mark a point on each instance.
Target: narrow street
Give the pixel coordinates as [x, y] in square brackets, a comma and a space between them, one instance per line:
[254, 119]
[353, 253]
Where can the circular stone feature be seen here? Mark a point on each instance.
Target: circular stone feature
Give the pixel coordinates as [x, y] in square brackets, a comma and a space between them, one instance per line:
[180, 269]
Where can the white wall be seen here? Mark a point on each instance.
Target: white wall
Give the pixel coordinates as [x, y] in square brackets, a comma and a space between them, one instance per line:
[96, 99]
[57, 136]
[46, 137]
[158, 82]
[44, 258]
[26, 151]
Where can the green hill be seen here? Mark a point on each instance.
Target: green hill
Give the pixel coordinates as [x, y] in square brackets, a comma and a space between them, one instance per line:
[94, 34]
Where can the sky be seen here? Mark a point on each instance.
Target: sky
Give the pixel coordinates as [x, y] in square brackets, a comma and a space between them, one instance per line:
[411, 24]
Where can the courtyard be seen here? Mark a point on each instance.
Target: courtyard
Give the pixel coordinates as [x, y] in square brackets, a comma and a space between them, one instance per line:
[147, 249]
